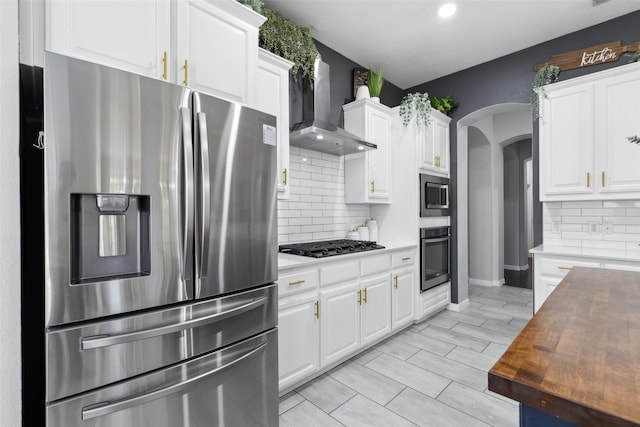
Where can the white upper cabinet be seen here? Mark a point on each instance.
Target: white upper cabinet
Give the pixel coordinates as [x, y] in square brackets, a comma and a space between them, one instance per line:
[566, 142]
[130, 35]
[619, 117]
[368, 174]
[217, 47]
[434, 144]
[272, 96]
[584, 125]
[211, 46]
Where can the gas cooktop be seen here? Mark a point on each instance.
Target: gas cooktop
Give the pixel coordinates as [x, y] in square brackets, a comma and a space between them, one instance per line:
[326, 248]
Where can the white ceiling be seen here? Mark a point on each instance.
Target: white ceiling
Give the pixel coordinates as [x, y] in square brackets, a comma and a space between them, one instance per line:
[412, 45]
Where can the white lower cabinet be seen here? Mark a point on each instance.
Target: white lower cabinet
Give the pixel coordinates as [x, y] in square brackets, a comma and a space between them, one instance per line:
[550, 269]
[299, 338]
[330, 311]
[375, 308]
[339, 322]
[402, 295]
[434, 300]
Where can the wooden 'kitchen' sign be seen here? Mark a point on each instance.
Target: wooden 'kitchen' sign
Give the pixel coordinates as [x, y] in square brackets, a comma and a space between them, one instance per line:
[593, 55]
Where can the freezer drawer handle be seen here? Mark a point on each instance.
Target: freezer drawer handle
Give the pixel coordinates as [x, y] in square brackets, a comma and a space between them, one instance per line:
[98, 341]
[106, 408]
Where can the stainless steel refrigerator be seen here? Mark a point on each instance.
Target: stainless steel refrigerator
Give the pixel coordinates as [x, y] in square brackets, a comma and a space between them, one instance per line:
[160, 253]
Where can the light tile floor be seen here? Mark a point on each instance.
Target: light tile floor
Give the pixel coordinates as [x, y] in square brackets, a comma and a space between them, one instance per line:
[432, 374]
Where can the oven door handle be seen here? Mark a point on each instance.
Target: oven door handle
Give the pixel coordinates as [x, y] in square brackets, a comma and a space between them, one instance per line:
[97, 341]
[427, 240]
[106, 408]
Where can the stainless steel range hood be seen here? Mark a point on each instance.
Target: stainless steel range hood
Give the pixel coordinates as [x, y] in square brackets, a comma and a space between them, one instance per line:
[315, 132]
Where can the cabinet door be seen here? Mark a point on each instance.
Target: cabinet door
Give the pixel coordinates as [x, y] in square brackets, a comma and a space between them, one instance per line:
[619, 112]
[375, 308]
[544, 287]
[566, 143]
[379, 159]
[442, 145]
[298, 338]
[339, 322]
[402, 297]
[427, 140]
[271, 95]
[221, 50]
[129, 35]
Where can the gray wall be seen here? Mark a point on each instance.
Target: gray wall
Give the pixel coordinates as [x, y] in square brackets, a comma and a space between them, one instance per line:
[480, 197]
[515, 251]
[342, 84]
[508, 79]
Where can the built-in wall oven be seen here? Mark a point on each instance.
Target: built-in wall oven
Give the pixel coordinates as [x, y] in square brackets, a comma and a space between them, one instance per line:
[434, 195]
[434, 256]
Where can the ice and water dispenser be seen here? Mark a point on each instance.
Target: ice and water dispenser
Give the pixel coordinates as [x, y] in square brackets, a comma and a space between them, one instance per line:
[109, 237]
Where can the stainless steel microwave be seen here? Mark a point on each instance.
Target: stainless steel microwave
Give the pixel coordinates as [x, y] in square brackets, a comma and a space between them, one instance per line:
[434, 195]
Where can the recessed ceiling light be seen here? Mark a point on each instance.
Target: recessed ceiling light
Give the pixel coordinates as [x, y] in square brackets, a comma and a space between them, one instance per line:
[447, 10]
[360, 147]
[319, 137]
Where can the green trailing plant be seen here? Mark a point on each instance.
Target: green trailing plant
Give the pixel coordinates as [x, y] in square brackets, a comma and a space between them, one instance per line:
[375, 81]
[635, 57]
[290, 41]
[544, 76]
[417, 104]
[444, 105]
[253, 4]
[635, 139]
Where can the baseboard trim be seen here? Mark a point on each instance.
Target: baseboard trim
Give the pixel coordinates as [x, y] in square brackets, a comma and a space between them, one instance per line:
[481, 282]
[458, 306]
[516, 267]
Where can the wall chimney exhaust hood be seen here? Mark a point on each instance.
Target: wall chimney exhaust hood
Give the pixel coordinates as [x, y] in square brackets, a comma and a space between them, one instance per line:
[315, 132]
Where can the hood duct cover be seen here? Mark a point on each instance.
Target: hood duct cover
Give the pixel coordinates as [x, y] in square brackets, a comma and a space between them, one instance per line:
[315, 132]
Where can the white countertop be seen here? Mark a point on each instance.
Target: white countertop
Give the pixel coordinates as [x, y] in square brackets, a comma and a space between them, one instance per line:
[288, 261]
[584, 252]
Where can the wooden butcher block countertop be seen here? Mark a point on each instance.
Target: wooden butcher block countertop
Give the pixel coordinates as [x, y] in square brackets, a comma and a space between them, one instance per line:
[579, 357]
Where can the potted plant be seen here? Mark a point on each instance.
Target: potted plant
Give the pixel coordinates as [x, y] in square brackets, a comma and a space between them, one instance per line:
[375, 82]
[286, 39]
[545, 75]
[444, 105]
[417, 104]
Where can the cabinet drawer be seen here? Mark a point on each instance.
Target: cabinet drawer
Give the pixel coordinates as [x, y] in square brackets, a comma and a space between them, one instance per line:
[296, 281]
[338, 273]
[622, 266]
[560, 267]
[403, 258]
[375, 264]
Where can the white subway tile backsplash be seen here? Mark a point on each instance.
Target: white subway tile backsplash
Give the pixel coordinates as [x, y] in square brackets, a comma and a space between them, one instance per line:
[618, 227]
[316, 209]
[621, 204]
[603, 212]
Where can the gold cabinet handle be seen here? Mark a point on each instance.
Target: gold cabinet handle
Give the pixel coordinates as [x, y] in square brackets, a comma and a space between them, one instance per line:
[297, 282]
[407, 258]
[186, 72]
[284, 174]
[164, 66]
[359, 297]
[603, 178]
[373, 186]
[396, 281]
[364, 299]
[317, 309]
[563, 268]
[588, 180]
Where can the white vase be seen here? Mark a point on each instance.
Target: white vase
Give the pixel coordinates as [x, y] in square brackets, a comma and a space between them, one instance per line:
[362, 93]
[375, 99]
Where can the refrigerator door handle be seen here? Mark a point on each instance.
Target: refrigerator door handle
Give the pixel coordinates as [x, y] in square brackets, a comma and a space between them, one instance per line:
[205, 214]
[105, 408]
[187, 201]
[97, 341]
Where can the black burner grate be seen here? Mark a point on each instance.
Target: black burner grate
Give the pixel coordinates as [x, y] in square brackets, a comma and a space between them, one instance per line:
[326, 248]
